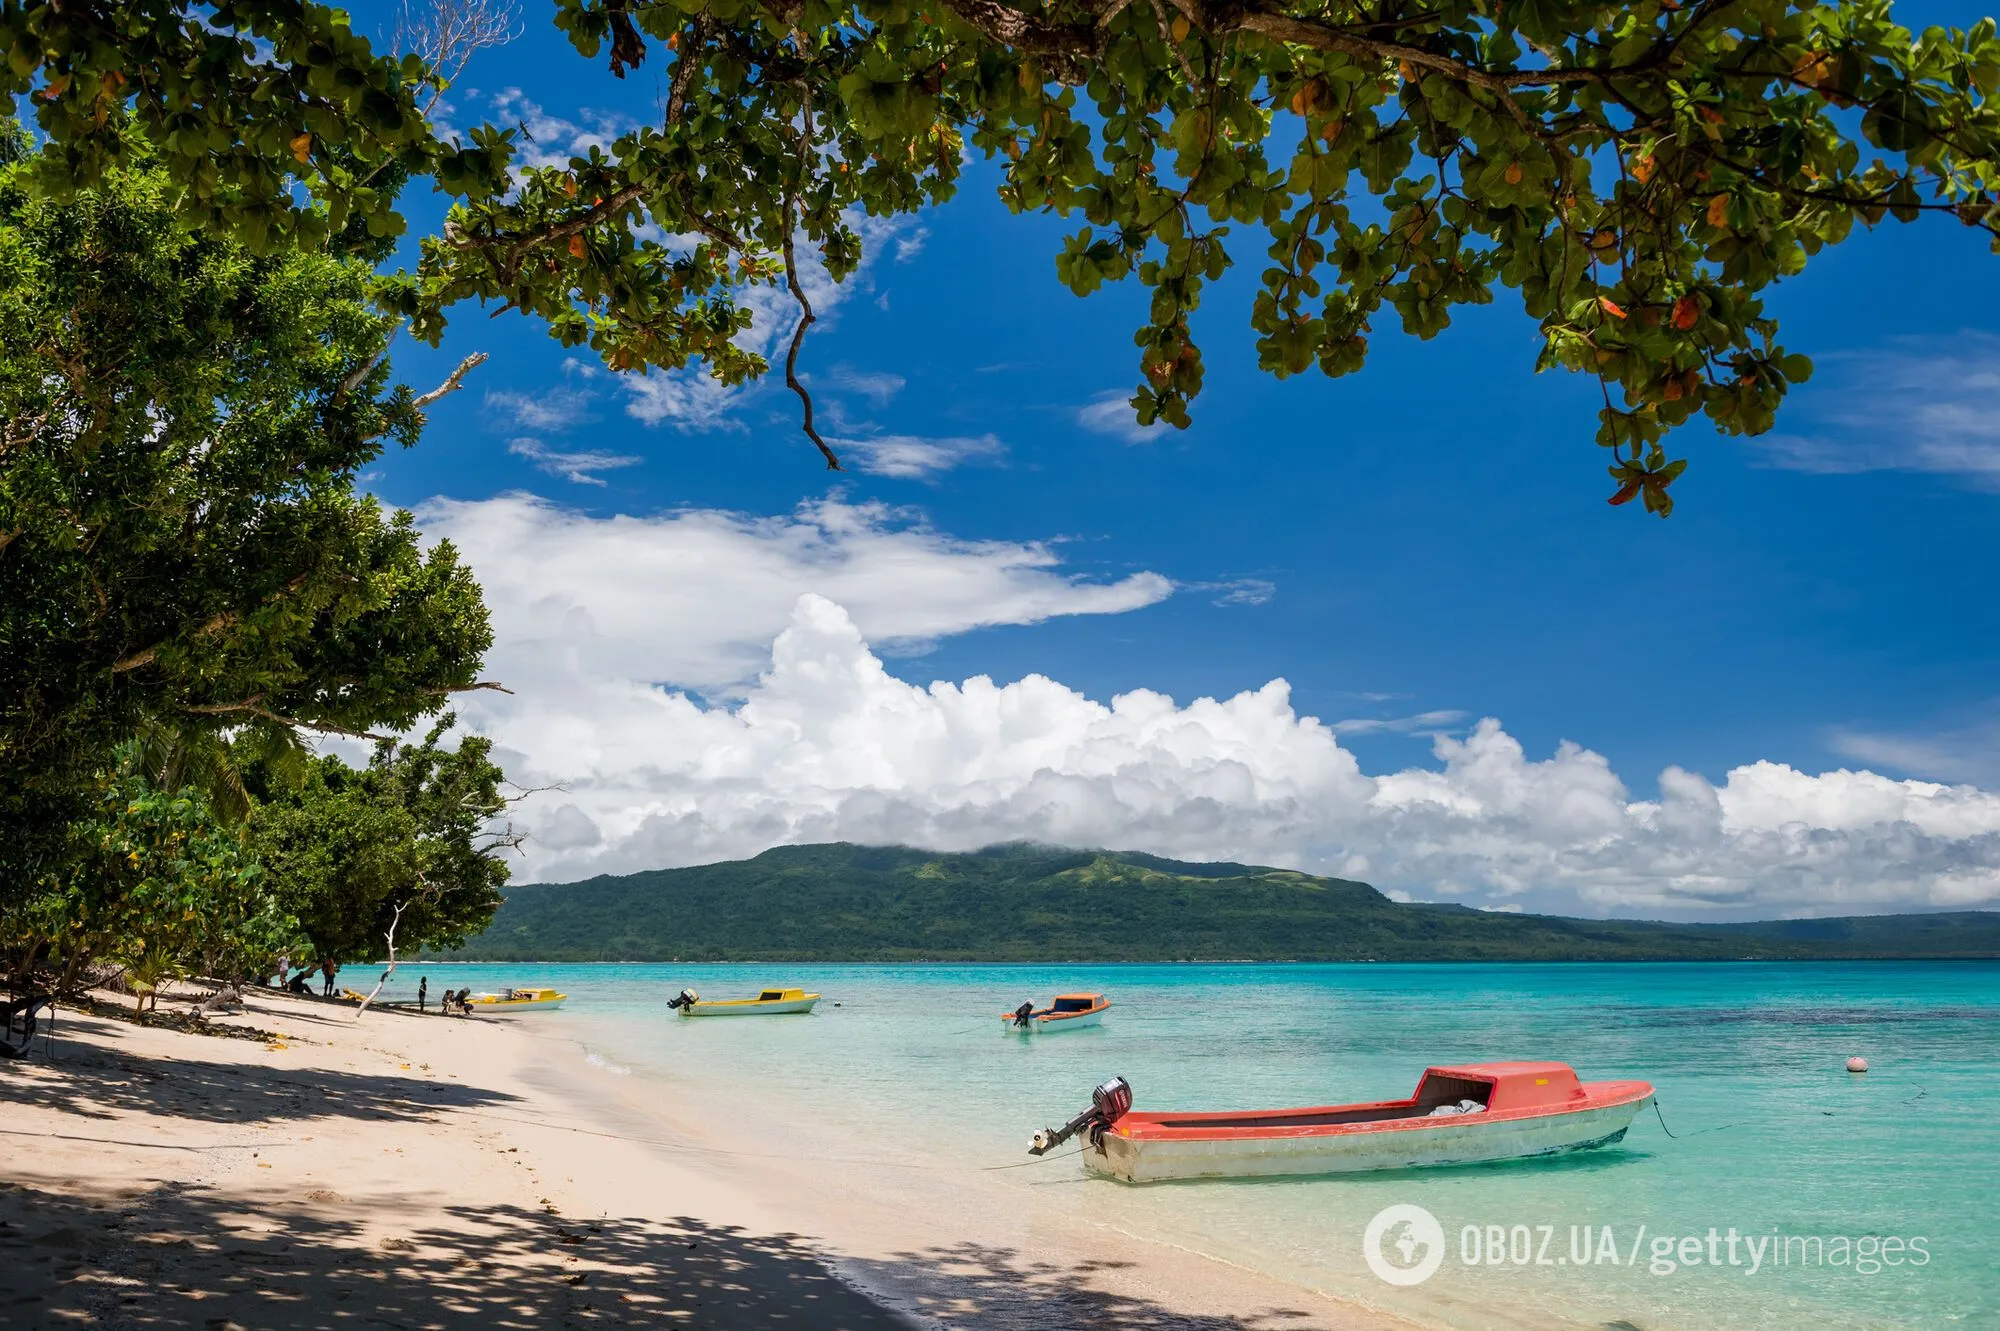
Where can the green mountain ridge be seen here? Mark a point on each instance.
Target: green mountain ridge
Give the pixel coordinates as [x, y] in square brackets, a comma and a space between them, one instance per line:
[842, 902]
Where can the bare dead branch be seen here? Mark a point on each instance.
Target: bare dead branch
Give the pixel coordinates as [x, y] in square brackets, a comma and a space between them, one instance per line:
[394, 920]
[453, 381]
[446, 34]
[352, 380]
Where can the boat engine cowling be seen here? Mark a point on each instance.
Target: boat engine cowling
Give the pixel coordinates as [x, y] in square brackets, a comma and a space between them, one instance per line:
[687, 998]
[1024, 1013]
[1110, 1102]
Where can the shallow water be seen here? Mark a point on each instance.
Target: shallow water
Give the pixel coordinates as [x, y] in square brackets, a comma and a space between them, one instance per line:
[1775, 1140]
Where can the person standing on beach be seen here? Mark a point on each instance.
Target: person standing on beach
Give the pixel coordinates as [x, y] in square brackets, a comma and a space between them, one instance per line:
[423, 989]
[329, 970]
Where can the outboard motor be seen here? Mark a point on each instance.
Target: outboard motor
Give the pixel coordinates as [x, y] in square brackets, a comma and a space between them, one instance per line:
[1108, 1103]
[1024, 1014]
[688, 998]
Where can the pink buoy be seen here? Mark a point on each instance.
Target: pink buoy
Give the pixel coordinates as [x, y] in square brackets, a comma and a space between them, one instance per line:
[1857, 1065]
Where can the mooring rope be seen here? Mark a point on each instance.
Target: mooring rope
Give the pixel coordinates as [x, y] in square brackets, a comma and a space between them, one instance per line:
[1661, 1114]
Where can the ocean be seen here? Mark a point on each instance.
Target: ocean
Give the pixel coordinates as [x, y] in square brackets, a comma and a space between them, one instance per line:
[1790, 1193]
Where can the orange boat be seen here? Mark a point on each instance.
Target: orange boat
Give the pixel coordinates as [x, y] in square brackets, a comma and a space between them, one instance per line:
[1070, 1012]
[1468, 1114]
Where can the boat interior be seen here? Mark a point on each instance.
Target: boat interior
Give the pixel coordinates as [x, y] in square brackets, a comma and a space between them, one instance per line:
[1076, 1003]
[1435, 1090]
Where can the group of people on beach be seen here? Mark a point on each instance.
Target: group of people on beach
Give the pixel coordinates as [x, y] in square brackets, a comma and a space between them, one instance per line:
[302, 982]
[452, 1004]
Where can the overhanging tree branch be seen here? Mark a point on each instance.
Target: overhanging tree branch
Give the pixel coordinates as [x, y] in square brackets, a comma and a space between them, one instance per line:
[790, 222]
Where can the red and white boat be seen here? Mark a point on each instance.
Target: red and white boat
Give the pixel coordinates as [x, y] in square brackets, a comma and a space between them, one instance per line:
[1467, 1114]
[1070, 1012]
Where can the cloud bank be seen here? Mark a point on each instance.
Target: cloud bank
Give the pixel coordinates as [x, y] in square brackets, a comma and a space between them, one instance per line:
[704, 685]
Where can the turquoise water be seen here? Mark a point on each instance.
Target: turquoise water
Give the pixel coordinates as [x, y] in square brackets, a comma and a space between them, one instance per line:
[1775, 1139]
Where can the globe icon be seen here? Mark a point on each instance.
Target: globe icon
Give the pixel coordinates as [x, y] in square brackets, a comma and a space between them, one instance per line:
[1408, 1247]
[1403, 1244]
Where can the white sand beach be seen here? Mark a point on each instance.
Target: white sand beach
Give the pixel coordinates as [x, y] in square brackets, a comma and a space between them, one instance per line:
[419, 1171]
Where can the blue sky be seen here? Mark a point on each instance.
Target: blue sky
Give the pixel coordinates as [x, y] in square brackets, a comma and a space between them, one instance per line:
[1411, 548]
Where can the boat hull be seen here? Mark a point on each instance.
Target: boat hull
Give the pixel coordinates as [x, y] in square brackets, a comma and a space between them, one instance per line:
[1405, 1144]
[751, 1009]
[1080, 1022]
[536, 1005]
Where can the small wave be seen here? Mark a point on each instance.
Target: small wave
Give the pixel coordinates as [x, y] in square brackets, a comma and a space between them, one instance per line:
[597, 1061]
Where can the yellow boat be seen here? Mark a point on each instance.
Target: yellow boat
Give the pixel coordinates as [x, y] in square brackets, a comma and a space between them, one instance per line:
[516, 1000]
[769, 1002]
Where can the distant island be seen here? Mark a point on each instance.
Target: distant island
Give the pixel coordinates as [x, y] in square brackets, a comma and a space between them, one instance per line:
[845, 902]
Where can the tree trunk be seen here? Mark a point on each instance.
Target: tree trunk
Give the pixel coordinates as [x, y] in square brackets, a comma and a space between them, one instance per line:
[394, 920]
[74, 965]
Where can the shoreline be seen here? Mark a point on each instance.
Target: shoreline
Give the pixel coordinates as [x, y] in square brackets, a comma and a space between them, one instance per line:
[422, 1171]
[1992, 959]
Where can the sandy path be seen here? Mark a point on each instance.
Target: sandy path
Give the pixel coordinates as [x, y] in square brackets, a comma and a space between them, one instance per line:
[418, 1172]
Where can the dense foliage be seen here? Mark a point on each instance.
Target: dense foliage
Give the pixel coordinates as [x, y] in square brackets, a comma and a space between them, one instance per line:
[1639, 172]
[396, 854]
[326, 863]
[181, 543]
[859, 903]
[162, 889]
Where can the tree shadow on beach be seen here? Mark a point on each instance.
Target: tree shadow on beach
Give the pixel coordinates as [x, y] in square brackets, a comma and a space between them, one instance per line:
[186, 1257]
[87, 1080]
[988, 1286]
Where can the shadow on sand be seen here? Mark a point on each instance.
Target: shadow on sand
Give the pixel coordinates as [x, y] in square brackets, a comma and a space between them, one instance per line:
[183, 1257]
[91, 1082]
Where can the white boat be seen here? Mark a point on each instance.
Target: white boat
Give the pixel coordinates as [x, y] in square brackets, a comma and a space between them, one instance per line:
[1458, 1115]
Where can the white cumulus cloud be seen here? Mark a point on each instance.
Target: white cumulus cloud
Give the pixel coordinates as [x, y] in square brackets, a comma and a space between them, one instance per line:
[703, 686]
[693, 598]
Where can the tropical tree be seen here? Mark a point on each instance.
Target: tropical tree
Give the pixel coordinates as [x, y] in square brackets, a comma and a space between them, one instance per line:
[182, 550]
[403, 853]
[161, 889]
[1639, 173]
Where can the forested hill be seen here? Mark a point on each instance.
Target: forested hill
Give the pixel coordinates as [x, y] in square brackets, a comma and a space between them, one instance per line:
[1032, 903]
